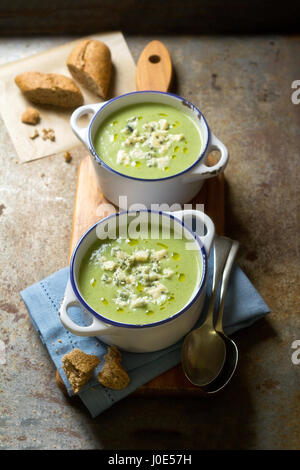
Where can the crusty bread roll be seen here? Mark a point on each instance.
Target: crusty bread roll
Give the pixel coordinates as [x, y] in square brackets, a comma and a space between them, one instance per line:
[49, 88]
[90, 64]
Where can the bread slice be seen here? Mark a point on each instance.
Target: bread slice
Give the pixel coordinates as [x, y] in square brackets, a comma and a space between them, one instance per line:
[90, 64]
[112, 374]
[49, 88]
[79, 367]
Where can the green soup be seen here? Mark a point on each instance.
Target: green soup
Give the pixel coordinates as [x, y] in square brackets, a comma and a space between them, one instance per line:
[148, 140]
[139, 281]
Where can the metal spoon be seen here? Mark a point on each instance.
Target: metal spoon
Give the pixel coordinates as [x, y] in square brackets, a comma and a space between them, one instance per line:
[231, 349]
[203, 350]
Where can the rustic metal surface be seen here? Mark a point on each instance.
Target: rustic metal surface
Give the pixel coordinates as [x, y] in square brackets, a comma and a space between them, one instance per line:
[243, 86]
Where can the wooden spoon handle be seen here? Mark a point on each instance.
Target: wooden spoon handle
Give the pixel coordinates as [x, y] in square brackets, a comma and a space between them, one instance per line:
[154, 68]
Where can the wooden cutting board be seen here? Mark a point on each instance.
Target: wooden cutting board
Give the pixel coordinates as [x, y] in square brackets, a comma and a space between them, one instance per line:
[91, 206]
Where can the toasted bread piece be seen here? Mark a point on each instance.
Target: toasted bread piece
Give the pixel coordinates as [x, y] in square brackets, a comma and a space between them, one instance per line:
[90, 64]
[49, 88]
[60, 383]
[112, 374]
[79, 367]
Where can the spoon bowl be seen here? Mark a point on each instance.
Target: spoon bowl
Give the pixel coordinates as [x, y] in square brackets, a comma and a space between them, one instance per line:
[203, 355]
[228, 369]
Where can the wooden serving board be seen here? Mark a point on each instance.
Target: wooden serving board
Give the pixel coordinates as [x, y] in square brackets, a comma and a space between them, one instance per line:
[154, 71]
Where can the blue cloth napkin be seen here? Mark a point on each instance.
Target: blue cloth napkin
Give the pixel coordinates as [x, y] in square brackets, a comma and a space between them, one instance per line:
[243, 306]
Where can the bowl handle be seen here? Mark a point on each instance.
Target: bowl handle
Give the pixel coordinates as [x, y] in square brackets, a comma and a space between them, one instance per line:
[202, 171]
[206, 221]
[81, 132]
[96, 328]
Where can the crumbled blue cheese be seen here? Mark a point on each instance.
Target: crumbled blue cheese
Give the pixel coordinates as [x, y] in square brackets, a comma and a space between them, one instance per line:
[164, 148]
[105, 278]
[163, 124]
[138, 302]
[168, 273]
[133, 120]
[152, 162]
[154, 136]
[140, 269]
[177, 137]
[162, 162]
[158, 255]
[157, 139]
[122, 299]
[121, 255]
[109, 265]
[157, 290]
[123, 157]
[131, 279]
[137, 154]
[132, 139]
[141, 255]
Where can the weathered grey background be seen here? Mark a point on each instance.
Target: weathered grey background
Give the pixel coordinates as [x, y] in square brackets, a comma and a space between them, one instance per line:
[243, 86]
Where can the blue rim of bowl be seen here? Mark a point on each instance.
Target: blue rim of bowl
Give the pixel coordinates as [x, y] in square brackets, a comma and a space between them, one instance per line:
[146, 325]
[180, 98]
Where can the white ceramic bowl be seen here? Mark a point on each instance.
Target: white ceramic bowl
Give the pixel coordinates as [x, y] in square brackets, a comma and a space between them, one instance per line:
[179, 188]
[147, 337]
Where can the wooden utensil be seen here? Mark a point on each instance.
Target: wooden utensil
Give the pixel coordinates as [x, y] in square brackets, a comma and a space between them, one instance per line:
[154, 68]
[91, 206]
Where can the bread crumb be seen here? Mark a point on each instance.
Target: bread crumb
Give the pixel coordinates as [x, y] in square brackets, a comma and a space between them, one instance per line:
[79, 367]
[67, 157]
[48, 134]
[34, 135]
[31, 116]
[112, 374]
[59, 340]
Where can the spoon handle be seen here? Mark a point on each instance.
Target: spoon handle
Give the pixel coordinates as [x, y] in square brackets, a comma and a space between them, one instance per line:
[225, 279]
[222, 247]
[154, 68]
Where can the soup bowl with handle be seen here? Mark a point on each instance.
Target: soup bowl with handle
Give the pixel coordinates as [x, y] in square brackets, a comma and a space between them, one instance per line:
[124, 190]
[198, 232]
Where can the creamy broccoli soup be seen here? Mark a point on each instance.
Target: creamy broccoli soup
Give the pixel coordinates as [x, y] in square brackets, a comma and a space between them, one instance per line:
[139, 281]
[148, 140]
